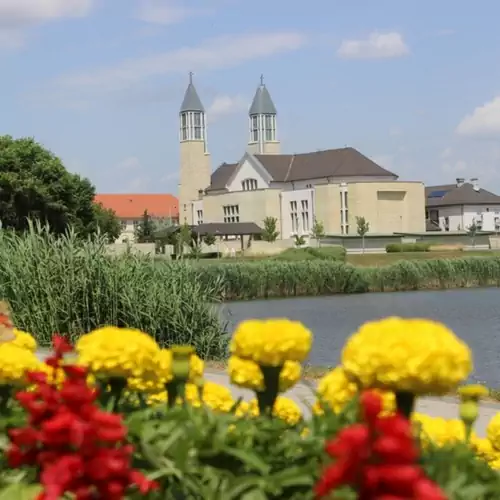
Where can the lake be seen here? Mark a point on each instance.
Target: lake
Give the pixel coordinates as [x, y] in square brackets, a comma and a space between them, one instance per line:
[473, 314]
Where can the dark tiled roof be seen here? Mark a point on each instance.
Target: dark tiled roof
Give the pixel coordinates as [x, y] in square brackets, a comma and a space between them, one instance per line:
[345, 162]
[229, 228]
[221, 176]
[262, 103]
[451, 194]
[191, 101]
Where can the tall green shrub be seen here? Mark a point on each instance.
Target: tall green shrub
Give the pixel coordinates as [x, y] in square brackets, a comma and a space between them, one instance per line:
[280, 278]
[72, 286]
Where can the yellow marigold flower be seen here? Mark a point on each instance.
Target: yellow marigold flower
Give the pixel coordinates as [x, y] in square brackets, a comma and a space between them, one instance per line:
[485, 451]
[24, 340]
[247, 373]
[271, 342]
[15, 362]
[284, 408]
[214, 396]
[473, 392]
[413, 355]
[154, 379]
[441, 431]
[335, 390]
[493, 431]
[117, 352]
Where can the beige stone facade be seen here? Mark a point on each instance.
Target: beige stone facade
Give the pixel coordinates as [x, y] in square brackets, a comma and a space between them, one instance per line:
[194, 176]
[389, 207]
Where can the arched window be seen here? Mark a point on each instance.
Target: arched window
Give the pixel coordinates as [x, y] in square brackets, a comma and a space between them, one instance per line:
[249, 184]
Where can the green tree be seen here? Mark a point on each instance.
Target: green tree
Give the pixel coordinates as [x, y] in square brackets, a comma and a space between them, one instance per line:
[472, 231]
[107, 222]
[317, 230]
[34, 184]
[144, 232]
[363, 226]
[184, 237]
[209, 239]
[270, 232]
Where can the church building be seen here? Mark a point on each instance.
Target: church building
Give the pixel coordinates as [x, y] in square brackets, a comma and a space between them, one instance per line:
[333, 186]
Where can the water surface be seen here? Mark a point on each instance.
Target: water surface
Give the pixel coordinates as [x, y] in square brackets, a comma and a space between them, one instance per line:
[474, 315]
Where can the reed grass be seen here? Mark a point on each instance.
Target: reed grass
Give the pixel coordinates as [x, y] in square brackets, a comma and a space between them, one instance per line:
[265, 279]
[72, 286]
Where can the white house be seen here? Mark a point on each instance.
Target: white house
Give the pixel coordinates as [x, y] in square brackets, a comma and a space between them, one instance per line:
[455, 207]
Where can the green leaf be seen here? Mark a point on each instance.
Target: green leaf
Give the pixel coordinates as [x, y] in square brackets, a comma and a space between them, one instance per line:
[248, 458]
[19, 491]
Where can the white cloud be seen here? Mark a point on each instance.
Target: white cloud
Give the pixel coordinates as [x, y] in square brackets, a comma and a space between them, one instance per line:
[131, 163]
[376, 46]
[446, 153]
[224, 105]
[16, 16]
[221, 52]
[166, 11]
[484, 121]
[456, 167]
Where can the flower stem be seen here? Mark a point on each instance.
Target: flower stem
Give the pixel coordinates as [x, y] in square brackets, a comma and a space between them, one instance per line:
[267, 397]
[5, 395]
[405, 402]
[117, 386]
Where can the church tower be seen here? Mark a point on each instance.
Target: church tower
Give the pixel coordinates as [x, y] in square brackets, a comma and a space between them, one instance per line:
[195, 168]
[262, 123]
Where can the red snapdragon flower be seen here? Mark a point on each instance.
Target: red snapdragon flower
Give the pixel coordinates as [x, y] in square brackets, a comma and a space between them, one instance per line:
[77, 447]
[378, 458]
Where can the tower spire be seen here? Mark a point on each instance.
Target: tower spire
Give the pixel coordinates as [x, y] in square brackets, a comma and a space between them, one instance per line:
[262, 120]
[195, 170]
[192, 101]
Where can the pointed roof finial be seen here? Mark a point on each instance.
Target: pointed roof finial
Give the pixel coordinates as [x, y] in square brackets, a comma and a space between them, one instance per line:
[262, 103]
[191, 100]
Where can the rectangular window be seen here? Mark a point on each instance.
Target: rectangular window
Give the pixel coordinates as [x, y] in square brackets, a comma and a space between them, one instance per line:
[198, 126]
[199, 216]
[184, 127]
[305, 215]
[231, 213]
[254, 131]
[344, 212]
[294, 217]
[269, 122]
[123, 225]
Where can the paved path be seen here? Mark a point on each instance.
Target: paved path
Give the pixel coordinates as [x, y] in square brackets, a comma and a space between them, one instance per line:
[303, 395]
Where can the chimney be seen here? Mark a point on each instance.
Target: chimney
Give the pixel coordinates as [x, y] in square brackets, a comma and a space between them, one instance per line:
[475, 183]
[460, 182]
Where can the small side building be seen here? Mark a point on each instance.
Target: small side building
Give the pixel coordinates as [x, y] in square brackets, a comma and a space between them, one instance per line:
[129, 208]
[455, 207]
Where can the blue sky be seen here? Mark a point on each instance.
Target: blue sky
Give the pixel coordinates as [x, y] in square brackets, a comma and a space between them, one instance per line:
[413, 84]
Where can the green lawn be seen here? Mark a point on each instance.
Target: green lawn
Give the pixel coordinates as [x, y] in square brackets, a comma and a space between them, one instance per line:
[384, 259]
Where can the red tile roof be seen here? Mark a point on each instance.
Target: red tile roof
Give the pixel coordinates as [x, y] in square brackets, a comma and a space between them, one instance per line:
[130, 206]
